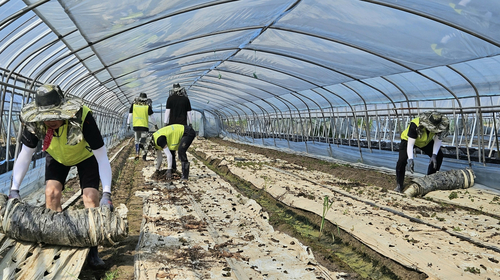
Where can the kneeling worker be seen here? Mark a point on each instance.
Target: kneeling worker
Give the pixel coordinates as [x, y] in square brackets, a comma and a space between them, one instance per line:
[71, 138]
[175, 137]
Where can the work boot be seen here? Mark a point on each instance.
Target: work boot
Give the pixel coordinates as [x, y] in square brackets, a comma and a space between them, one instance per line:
[144, 157]
[185, 170]
[93, 259]
[136, 151]
[400, 178]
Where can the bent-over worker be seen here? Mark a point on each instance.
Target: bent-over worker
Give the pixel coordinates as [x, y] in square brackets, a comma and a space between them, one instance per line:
[426, 133]
[175, 137]
[71, 138]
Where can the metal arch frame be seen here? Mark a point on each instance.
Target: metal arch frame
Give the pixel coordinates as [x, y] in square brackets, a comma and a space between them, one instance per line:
[21, 12]
[271, 105]
[21, 64]
[253, 112]
[317, 86]
[20, 34]
[366, 116]
[263, 29]
[42, 61]
[280, 86]
[261, 108]
[273, 95]
[433, 18]
[478, 98]
[461, 112]
[68, 72]
[68, 60]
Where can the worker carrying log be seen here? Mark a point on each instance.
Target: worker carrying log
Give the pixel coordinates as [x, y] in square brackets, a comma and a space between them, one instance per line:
[71, 138]
[426, 133]
[447, 180]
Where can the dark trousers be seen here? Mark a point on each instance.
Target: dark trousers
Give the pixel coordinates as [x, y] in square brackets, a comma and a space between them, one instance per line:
[186, 140]
[403, 159]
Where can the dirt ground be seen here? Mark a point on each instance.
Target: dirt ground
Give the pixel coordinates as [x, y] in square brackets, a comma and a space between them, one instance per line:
[128, 178]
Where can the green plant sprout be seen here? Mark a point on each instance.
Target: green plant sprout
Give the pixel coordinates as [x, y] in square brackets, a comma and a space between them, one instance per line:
[326, 206]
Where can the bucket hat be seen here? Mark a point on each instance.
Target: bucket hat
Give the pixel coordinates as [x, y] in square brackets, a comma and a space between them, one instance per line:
[50, 105]
[435, 122]
[178, 90]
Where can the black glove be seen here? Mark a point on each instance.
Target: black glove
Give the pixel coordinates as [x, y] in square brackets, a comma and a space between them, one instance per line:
[190, 125]
[128, 128]
[169, 174]
[106, 200]
[410, 166]
[156, 127]
[434, 161]
[14, 194]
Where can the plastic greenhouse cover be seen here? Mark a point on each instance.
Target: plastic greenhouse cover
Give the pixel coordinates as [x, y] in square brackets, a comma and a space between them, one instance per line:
[195, 46]
[314, 73]
[406, 37]
[418, 87]
[266, 75]
[176, 20]
[483, 17]
[349, 61]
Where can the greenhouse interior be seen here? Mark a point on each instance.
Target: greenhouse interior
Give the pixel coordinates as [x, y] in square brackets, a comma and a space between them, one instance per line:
[337, 79]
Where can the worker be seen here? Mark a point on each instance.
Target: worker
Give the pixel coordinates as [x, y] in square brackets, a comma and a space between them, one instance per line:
[178, 111]
[175, 137]
[426, 133]
[70, 138]
[139, 113]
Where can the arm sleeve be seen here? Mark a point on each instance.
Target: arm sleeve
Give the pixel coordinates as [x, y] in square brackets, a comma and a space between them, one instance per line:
[21, 166]
[189, 117]
[101, 156]
[169, 157]
[409, 148]
[91, 132]
[167, 115]
[437, 145]
[129, 118]
[159, 161]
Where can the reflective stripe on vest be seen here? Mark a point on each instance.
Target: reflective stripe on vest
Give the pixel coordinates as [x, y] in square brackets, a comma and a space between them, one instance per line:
[421, 141]
[66, 154]
[140, 115]
[173, 133]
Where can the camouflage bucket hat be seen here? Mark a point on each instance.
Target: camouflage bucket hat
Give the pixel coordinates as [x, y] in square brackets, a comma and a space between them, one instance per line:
[50, 105]
[435, 122]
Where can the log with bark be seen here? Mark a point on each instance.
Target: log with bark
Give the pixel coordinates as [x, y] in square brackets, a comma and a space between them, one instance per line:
[75, 228]
[442, 180]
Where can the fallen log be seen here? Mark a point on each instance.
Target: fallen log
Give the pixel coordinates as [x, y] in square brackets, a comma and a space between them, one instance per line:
[75, 228]
[441, 180]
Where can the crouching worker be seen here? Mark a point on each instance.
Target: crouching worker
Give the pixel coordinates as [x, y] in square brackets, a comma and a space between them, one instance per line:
[175, 137]
[71, 138]
[426, 133]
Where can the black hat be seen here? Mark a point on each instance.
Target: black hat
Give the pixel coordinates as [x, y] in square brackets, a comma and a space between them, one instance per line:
[143, 95]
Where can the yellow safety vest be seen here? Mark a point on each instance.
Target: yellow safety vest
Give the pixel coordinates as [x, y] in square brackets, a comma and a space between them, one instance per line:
[173, 133]
[421, 141]
[67, 154]
[140, 115]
